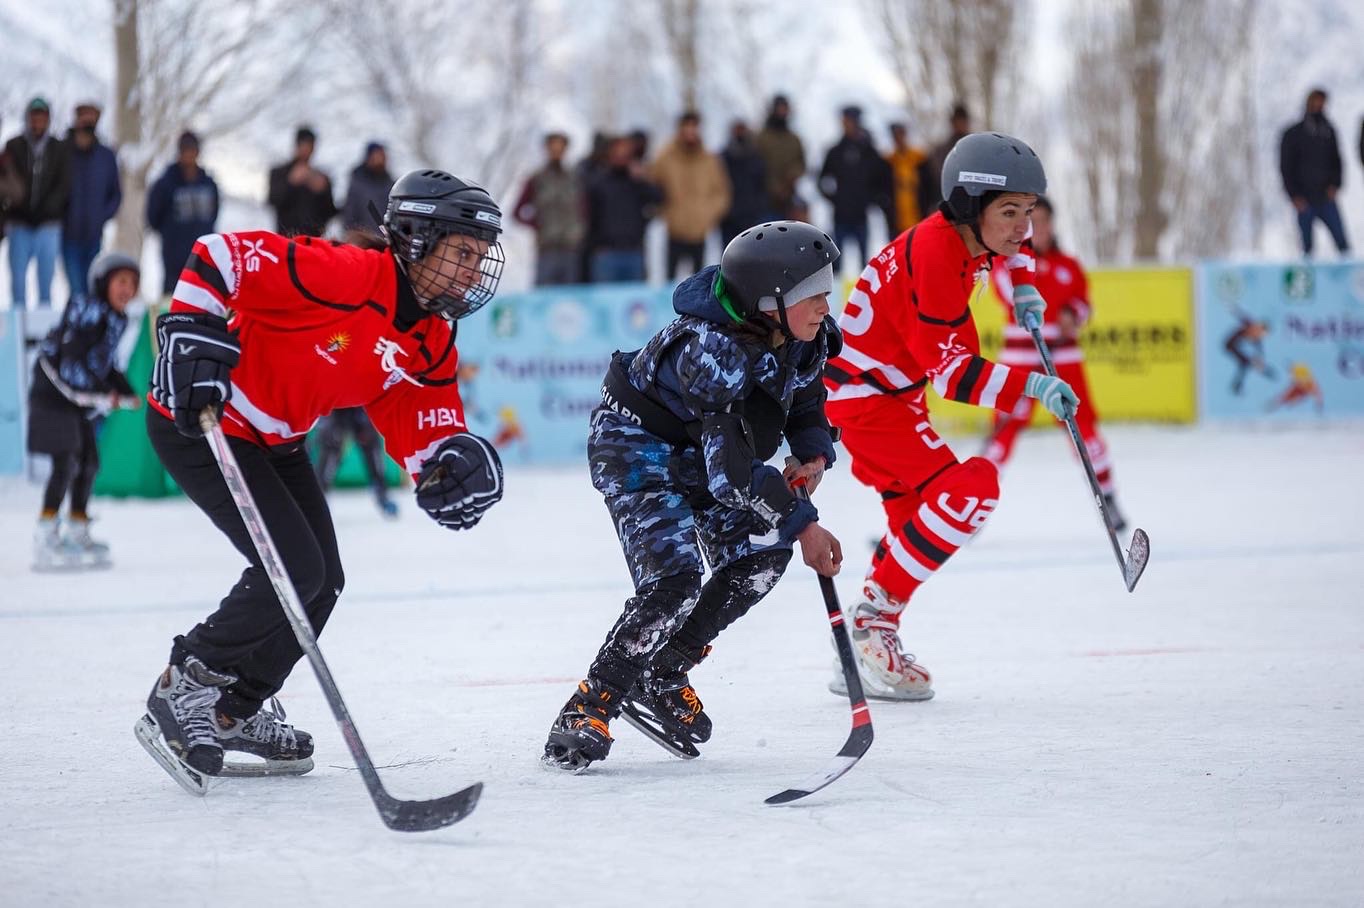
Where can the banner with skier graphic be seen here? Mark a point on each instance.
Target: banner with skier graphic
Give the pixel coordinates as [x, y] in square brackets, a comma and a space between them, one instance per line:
[1283, 342]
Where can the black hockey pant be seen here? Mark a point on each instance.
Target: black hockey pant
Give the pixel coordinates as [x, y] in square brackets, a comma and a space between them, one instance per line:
[74, 472]
[249, 634]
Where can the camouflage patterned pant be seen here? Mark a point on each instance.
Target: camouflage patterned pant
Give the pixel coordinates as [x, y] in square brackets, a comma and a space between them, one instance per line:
[666, 522]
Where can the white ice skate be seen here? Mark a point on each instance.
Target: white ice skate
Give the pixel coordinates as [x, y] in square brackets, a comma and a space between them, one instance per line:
[888, 673]
[51, 550]
[90, 551]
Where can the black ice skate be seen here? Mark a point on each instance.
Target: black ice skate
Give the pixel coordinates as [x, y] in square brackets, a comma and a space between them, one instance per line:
[180, 711]
[580, 735]
[664, 706]
[283, 750]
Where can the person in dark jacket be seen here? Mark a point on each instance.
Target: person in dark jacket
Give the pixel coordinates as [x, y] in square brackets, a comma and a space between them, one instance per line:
[370, 182]
[748, 183]
[551, 204]
[182, 206]
[95, 195]
[75, 382]
[678, 448]
[300, 193]
[620, 202]
[35, 223]
[1309, 161]
[853, 178]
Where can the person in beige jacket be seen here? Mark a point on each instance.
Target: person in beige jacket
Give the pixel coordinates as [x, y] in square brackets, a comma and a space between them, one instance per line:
[696, 194]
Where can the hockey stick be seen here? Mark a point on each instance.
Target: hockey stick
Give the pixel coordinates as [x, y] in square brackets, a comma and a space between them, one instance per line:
[404, 816]
[1134, 562]
[860, 738]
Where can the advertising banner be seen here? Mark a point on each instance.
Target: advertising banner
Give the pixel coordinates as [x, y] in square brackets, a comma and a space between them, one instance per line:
[1281, 342]
[11, 404]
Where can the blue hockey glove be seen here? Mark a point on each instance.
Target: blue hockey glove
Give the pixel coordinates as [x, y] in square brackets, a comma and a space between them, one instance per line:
[1057, 396]
[1028, 303]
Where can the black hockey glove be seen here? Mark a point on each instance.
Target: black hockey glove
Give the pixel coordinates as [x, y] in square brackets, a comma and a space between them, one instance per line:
[460, 481]
[193, 369]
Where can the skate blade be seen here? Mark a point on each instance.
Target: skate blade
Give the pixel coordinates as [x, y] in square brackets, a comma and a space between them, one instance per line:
[266, 768]
[74, 567]
[873, 689]
[569, 761]
[149, 736]
[653, 728]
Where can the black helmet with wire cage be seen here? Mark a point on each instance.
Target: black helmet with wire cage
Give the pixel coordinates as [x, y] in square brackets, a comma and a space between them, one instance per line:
[424, 208]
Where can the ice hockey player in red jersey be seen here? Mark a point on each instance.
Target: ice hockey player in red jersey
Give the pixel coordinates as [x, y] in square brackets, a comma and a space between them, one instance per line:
[273, 333]
[908, 324]
[1062, 282]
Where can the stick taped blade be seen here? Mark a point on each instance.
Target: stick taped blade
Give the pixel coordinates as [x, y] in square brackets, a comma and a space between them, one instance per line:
[424, 816]
[1137, 554]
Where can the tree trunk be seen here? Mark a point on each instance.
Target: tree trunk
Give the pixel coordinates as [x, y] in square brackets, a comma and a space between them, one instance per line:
[128, 127]
[1151, 219]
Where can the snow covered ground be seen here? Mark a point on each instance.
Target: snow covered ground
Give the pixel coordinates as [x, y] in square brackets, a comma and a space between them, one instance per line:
[1199, 742]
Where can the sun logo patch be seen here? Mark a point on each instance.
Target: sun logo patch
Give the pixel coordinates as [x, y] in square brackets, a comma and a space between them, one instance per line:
[338, 342]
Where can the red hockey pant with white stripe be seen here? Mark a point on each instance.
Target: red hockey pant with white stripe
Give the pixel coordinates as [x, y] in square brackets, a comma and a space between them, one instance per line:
[1009, 425]
[933, 502]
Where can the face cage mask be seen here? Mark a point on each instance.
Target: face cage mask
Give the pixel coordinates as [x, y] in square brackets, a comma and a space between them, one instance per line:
[459, 298]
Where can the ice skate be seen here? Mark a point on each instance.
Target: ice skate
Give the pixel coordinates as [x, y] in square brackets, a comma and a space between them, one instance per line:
[283, 750]
[887, 672]
[665, 707]
[1116, 519]
[180, 729]
[52, 551]
[90, 552]
[580, 736]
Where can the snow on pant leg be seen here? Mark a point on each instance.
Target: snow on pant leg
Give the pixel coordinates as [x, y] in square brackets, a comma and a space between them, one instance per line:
[1007, 428]
[650, 506]
[728, 595]
[1087, 421]
[87, 468]
[249, 634]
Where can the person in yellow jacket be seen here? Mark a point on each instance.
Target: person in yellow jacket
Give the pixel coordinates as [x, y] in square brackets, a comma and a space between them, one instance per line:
[906, 170]
[696, 194]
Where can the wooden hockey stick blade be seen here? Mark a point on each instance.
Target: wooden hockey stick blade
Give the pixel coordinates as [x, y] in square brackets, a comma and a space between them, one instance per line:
[1137, 555]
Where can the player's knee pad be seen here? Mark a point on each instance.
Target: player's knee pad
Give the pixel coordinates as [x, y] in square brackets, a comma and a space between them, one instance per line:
[964, 495]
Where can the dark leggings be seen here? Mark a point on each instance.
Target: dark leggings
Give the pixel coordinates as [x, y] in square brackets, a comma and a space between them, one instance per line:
[332, 435]
[73, 472]
[249, 634]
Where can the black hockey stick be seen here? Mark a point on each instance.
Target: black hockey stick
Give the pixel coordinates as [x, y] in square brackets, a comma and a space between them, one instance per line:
[860, 738]
[1134, 562]
[404, 816]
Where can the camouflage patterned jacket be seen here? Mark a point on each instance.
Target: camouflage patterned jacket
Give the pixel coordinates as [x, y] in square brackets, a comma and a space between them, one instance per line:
[737, 396]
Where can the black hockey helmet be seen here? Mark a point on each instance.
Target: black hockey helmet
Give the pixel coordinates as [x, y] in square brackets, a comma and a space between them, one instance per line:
[103, 267]
[985, 164]
[424, 207]
[768, 263]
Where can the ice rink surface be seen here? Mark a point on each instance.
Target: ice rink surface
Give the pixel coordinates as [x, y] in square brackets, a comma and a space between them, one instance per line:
[1199, 742]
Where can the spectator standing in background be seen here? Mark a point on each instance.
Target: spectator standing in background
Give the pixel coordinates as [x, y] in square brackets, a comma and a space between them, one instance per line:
[552, 205]
[587, 169]
[696, 194]
[370, 182]
[620, 202]
[300, 193]
[853, 178]
[11, 186]
[907, 170]
[747, 181]
[783, 157]
[930, 186]
[1309, 161]
[182, 206]
[35, 222]
[95, 195]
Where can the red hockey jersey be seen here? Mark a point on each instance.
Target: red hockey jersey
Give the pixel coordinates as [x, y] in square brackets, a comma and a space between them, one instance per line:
[908, 323]
[315, 321]
[1063, 284]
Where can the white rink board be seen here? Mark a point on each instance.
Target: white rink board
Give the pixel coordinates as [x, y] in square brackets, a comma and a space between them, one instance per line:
[1198, 742]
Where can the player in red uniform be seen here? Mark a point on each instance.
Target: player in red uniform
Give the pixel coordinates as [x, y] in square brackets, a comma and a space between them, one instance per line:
[1062, 282]
[314, 325]
[908, 324]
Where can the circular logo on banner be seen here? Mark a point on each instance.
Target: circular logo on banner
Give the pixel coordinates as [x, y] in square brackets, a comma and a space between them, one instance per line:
[1299, 283]
[637, 319]
[1230, 286]
[566, 320]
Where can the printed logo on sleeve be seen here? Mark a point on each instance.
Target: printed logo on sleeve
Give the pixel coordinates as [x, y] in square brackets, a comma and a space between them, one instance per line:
[989, 179]
[438, 417]
[255, 250]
